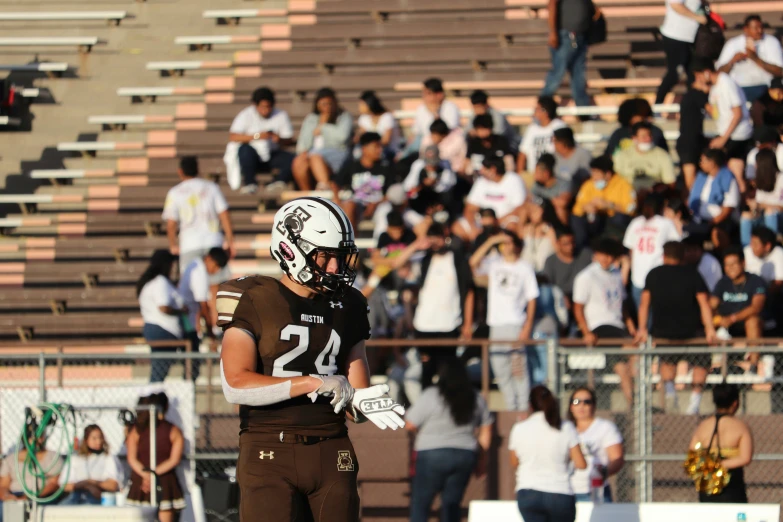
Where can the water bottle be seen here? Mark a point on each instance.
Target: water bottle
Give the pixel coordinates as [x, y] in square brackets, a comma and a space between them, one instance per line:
[741, 517]
[597, 490]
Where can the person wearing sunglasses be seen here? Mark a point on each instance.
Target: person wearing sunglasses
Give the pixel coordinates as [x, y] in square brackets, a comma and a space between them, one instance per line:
[601, 443]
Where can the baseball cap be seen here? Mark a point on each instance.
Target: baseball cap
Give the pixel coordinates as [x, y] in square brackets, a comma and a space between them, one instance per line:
[432, 156]
[396, 194]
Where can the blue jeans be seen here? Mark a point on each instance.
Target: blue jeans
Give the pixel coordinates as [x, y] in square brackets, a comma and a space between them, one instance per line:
[445, 471]
[747, 224]
[538, 506]
[159, 368]
[571, 57]
[250, 163]
[754, 92]
[79, 497]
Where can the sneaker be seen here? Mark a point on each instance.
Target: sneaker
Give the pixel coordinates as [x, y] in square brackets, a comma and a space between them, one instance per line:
[249, 189]
[671, 404]
[276, 186]
[693, 405]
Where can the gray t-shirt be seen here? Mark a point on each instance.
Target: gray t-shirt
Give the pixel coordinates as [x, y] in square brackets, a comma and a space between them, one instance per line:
[577, 165]
[562, 274]
[436, 428]
[49, 460]
[574, 15]
[549, 193]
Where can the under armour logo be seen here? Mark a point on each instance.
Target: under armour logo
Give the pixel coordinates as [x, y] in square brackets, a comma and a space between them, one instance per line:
[336, 304]
[269, 455]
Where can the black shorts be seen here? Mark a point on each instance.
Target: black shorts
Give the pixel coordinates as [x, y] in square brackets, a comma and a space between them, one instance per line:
[607, 331]
[274, 475]
[738, 149]
[690, 151]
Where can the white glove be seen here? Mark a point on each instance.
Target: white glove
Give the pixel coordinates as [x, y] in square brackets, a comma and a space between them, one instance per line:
[336, 386]
[375, 405]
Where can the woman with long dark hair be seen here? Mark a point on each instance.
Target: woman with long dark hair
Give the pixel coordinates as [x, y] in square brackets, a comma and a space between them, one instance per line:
[542, 448]
[162, 308]
[453, 430]
[322, 146]
[766, 206]
[375, 117]
[169, 447]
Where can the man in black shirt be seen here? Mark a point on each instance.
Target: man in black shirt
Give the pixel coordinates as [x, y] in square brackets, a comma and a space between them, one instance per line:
[367, 178]
[485, 144]
[679, 301]
[692, 142]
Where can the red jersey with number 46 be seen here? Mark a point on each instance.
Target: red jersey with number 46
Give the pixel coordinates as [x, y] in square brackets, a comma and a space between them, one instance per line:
[294, 336]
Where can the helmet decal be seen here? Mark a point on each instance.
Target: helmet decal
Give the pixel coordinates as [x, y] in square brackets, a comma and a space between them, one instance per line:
[286, 252]
[294, 220]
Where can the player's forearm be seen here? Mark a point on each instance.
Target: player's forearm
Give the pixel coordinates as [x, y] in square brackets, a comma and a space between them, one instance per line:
[249, 380]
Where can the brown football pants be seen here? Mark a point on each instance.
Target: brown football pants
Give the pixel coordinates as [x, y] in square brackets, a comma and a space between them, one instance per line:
[273, 474]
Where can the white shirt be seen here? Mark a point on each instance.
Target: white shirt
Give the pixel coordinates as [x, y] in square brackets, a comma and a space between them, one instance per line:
[645, 239]
[510, 287]
[538, 140]
[196, 205]
[710, 269]
[448, 112]
[439, 309]
[724, 96]
[502, 197]
[769, 268]
[600, 435]
[544, 454]
[730, 200]
[445, 182]
[249, 122]
[750, 163]
[409, 216]
[194, 288]
[602, 294]
[156, 293]
[385, 122]
[93, 467]
[746, 72]
[677, 26]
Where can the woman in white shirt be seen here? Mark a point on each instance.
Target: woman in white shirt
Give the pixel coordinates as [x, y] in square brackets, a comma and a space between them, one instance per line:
[601, 443]
[374, 117]
[542, 449]
[766, 206]
[162, 309]
[93, 470]
[678, 32]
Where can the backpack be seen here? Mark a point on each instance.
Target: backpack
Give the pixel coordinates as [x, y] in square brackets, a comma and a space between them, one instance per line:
[709, 38]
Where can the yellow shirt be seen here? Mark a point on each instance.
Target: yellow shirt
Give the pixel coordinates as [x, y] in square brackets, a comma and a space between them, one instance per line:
[617, 192]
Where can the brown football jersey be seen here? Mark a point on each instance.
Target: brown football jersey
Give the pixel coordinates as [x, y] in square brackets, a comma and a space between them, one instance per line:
[294, 336]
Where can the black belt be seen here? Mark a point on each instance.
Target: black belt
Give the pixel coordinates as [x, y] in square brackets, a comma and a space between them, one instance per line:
[293, 438]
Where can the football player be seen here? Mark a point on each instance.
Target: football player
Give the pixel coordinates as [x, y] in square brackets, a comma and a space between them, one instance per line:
[294, 359]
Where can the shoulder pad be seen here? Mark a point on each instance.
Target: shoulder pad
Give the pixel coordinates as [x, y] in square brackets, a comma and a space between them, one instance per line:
[229, 294]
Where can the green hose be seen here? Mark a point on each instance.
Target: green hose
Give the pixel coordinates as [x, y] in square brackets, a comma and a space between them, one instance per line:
[31, 467]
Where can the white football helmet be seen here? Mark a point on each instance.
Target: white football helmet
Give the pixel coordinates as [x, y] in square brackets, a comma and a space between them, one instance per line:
[309, 226]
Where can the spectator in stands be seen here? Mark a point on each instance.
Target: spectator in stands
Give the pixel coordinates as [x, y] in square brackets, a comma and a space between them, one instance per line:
[691, 141]
[766, 138]
[200, 211]
[11, 483]
[93, 470]
[569, 21]
[732, 118]
[194, 289]
[644, 239]
[732, 440]
[430, 183]
[738, 301]
[599, 295]
[678, 32]
[322, 147]
[601, 444]
[263, 133]
[644, 165]
[752, 58]
[714, 199]
[766, 206]
[453, 428]
[572, 163]
[434, 106]
[677, 211]
[170, 446]
[450, 142]
[539, 135]
[397, 199]
[562, 267]
[366, 179]
[538, 234]
[764, 258]
[504, 192]
[162, 309]
[631, 112]
[375, 117]
[543, 447]
[679, 302]
[445, 309]
[500, 125]
[484, 143]
[512, 291]
[605, 203]
[554, 191]
[768, 109]
[706, 264]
